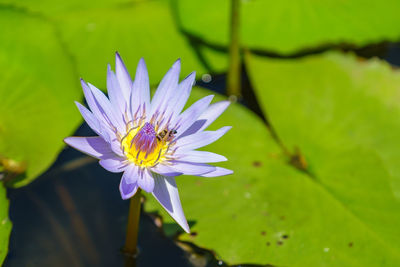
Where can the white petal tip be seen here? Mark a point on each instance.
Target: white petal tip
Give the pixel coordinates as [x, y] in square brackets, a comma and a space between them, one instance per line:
[225, 129]
[141, 66]
[184, 225]
[225, 103]
[208, 99]
[125, 197]
[177, 64]
[218, 172]
[118, 59]
[128, 196]
[127, 193]
[186, 229]
[67, 140]
[191, 76]
[83, 83]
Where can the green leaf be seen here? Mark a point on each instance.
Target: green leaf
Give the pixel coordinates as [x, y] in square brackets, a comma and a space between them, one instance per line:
[268, 212]
[342, 113]
[289, 27]
[54, 8]
[333, 101]
[144, 29]
[37, 87]
[92, 31]
[5, 224]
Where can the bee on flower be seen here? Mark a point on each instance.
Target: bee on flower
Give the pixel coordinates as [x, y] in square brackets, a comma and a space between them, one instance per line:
[151, 141]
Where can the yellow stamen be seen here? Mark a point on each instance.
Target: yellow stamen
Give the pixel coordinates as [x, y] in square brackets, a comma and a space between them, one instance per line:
[143, 158]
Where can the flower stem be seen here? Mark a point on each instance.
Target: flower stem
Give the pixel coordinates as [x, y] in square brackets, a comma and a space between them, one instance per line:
[234, 72]
[130, 248]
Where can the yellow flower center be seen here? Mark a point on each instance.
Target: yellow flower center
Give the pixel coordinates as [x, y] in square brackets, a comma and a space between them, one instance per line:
[144, 147]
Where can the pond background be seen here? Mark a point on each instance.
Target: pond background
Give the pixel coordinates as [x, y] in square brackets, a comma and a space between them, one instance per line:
[66, 214]
[70, 213]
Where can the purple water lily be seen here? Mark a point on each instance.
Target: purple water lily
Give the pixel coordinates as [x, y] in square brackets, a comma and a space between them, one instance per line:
[151, 142]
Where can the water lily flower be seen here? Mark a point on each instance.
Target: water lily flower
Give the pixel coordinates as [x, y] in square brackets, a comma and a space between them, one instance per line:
[151, 142]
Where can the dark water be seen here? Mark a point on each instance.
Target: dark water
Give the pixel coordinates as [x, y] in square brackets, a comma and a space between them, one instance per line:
[393, 54]
[73, 215]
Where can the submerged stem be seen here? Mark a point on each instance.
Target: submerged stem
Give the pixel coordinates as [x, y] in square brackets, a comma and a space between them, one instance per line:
[132, 230]
[234, 72]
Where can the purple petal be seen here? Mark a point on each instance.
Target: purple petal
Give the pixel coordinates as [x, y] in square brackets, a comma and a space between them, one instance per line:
[123, 77]
[199, 139]
[179, 99]
[189, 116]
[92, 103]
[146, 180]
[113, 164]
[115, 93]
[191, 168]
[109, 114]
[99, 107]
[207, 117]
[127, 190]
[131, 174]
[166, 89]
[141, 89]
[165, 170]
[90, 100]
[218, 172]
[199, 157]
[166, 192]
[100, 129]
[116, 146]
[92, 146]
[213, 112]
[90, 119]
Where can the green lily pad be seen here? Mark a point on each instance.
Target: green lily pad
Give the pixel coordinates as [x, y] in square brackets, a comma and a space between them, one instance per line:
[53, 8]
[144, 29]
[342, 114]
[290, 27]
[37, 88]
[268, 212]
[5, 224]
[334, 102]
[92, 31]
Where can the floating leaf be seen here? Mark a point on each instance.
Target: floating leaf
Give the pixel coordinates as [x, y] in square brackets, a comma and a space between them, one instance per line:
[289, 27]
[93, 31]
[268, 212]
[5, 224]
[37, 88]
[343, 116]
[335, 102]
[144, 29]
[54, 8]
